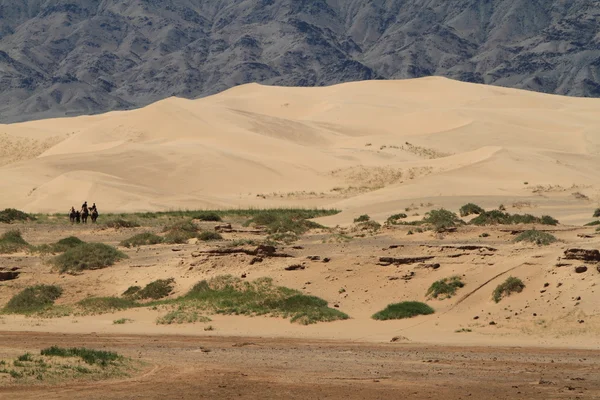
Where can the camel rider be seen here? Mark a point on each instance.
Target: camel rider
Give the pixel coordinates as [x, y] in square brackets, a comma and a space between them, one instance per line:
[84, 207]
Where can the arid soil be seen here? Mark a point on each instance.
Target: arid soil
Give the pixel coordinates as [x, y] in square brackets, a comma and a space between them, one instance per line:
[184, 367]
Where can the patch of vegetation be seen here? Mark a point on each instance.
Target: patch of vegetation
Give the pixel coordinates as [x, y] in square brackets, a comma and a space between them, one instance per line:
[362, 218]
[369, 226]
[441, 220]
[158, 289]
[61, 246]
[103, 305]
[286, 222]
[445, 288]
[208, 216]
[230, 295]
[287, 238]
[207, 236]
[12, 242]
[510, 285]
[393, 219]
[597, 213]
[182, 316]
[89, 356]
[132, 291]
[593, 223]
[406, 309]
[122, 321]
[180, 232]
[469, 209]
[10, 215]
[119, 223]
[142, 239]
[497, 217]
[88, 256]
[537, 237]
[34, 299]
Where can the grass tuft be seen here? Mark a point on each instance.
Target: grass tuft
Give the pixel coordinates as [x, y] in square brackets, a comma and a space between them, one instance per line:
[406, 309]
[441, 220]
[207, 236]
[497, 217]
[596, 213]
[61, 246]
[469, 209]
[362, 218]
[122, 321]
[155, 290]
[89, 356]
[537, 237]
[208, 216]
[34, 299]
[285, 221]
[142, 239]
[393, 219]
[119, 223]
[12, 242]
[510, 285]
[88, 256]
[445, 288]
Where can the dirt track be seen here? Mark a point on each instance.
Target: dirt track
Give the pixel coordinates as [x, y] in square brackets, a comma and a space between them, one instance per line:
[182, 367]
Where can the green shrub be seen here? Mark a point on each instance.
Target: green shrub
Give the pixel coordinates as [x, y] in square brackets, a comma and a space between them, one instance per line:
[142, 239]
[99, 357]
[87, 256]
[597, 213]
[362, 218]
[122, 321]
[393, 219]
[442, 219]
[132, 291]
[209, 236]
[369, 225]
[156, 290]
[12, 242]
[469, 209]
[284, 221]
[33, 299]
[511, 285]
[208, 216]
[61, 246]
[180, 232]
[593, 223]
[497, 217]
[548, 220]
[537, 237]
[406, 309]
[445, 287]
[119, 223]
[25, 357]
[10, 215]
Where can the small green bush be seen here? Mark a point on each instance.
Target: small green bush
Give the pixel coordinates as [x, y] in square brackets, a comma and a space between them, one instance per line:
[597, 213]
[132, 291]
[406, 309]
[497, 217]
[209, 236]
[119, 223]
[369, 225]
[593, 223]
[445, 287]
[208, 216]
[88, 256]
[156, 290]
[10, 215]
[511, 285]
[469, 209]
[25, 357]
[548, 220]
[284, 221]
[442, 219]
[99, 357]
[142, 239]
[180, 232]
[362, 218]
[122, 321]
[12, 242]
[537, 237]
[393, 219]
[33, 299]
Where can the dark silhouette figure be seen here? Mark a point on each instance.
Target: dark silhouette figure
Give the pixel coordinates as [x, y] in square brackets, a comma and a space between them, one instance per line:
[94, 213]
[78, 216]
[72, 215]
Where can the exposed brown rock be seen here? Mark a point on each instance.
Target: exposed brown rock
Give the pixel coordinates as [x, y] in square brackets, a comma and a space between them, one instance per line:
[403, 260]
[583, 255]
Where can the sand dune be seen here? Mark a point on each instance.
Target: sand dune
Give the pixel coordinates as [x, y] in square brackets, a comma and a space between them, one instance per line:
[429, 140]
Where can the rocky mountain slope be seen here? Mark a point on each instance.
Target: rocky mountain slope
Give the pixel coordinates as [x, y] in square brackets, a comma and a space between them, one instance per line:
[68, 57]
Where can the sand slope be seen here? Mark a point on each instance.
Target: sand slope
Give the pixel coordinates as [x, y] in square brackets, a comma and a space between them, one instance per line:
[381, 145]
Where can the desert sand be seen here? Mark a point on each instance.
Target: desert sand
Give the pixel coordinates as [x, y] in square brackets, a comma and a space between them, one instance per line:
[374, 148]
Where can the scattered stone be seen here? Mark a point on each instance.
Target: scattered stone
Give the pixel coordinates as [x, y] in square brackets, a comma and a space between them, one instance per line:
[562, 265]
[399, 339]
[535, 314]
[336, 305]
[542, 291]
[476, 317]
[223, 228]
[313, 258]
[295, 267]
[244, 275]
[581, 321]
[395, 246]
[583, 255]
[297, 247]
[409, 276]
[196, 254]
[9, 275]
[492, 323]
[393, 278]
[546, 284]
[326, 259]
[578, 298]
[581, 269]
[256, 260]
[176, 249]
[432, 266]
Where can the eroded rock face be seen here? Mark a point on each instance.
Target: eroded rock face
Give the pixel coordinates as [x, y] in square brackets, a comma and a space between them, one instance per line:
[583, 255]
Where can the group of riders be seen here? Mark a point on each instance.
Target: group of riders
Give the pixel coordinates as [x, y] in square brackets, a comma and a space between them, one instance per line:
[83, 214]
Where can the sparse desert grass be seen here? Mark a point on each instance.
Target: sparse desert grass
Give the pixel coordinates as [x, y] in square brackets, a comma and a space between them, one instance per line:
[180, 232]
[469, 209]
[34, 299]
[10, 215]
[122, 321]
[368, 226]
[230, 295]
[155, 290]
[12, 242]
[182, 315]
[87, 256]
[538, 237]
[284, 222]
[287, 238]
[497, 217]
[208, 216]
[509, 286]
[89, 356]
[119, 223]
[61, 246]
[393, 219]
[442, 220]
[362, 218]
[406, 309]
[104, 305]
[207, 236]
[445, 288]
[142, 239]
